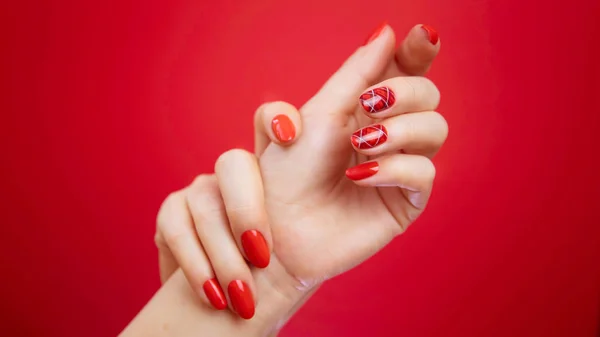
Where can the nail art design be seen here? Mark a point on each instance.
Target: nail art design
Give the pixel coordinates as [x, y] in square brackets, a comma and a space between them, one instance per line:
[369, 137]
[378, 99]
[432, 34]
[362, 171]
[241, 299]
[215, 294]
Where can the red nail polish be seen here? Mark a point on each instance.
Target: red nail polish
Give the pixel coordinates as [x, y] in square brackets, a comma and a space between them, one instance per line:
[241, 299]
[283, 128]
[376, 32]
[378, 99]
[362, 171]
[256, 248]
[369, 137]
[215, 294]
[432, 34]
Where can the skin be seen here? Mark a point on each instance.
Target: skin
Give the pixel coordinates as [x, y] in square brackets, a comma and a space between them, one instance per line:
[315, 222]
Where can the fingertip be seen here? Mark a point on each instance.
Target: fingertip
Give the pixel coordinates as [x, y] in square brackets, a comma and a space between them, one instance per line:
[282, 123]
[214, 294]
[431, 34]
[418, 50]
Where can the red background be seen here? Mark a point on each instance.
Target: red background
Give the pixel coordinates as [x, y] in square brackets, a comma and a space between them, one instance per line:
[108, 106]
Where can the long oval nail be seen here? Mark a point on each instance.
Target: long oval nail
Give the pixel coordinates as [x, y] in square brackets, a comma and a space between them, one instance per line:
[363, 171]
[256, 248]
[215, 294]
[241, 298]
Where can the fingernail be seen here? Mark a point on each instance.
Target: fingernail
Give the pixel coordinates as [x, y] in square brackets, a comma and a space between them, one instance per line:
[378, 99]
[369, 137]
[376, 32]
[241, 299]
[215, 294]
[283, 128]
[362, 171]
[432, 34]
[256, 248]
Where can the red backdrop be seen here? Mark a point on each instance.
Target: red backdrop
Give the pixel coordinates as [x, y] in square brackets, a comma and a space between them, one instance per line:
[108, 106]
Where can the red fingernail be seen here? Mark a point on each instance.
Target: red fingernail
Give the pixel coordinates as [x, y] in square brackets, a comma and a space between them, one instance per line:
[378, 99]
[362, 171]
[241, 299]
[369, 137]
[376, 32]
[432, 34]
[283, 128]
[256, 248]
[215, 294]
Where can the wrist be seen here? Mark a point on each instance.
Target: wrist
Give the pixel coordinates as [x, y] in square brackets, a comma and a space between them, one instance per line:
[280, 295]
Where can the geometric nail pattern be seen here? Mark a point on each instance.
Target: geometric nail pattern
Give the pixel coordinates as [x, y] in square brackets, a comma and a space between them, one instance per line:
[377, 99]
[369, 137]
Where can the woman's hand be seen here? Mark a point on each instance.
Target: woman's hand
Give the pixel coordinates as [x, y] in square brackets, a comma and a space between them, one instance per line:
[363, 173]
[213, 209]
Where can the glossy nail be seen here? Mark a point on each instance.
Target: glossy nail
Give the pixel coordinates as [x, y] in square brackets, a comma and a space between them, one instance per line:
[215, 294]
[376, 32]
[256, 248]
[241, 298]
[432, 34]
[362, 171]
[369, 137]
[283, 128]
[378, 99]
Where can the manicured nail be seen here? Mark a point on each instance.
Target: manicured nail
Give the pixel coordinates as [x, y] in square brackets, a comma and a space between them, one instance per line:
[215, 294]
[369, 137]
[256, 248]
[376, 32]
[241, 299]
[283, 128]
[378, 99]
[362, 171]
[432, 34]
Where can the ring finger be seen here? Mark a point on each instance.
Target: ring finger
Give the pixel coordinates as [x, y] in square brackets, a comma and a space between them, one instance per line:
[416, 133]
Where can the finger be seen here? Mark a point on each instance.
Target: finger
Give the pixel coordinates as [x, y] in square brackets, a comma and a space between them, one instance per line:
[413, 173]
[359, 71]
[400, 95]
[241, 186]
[418, 50]
[416, 133]
[177, 228]
[277, 122]
[212, 227]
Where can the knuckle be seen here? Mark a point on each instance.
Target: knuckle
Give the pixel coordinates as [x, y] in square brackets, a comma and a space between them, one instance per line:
[201, 182]
[428, 172]
[166, 207]
[231, 156]
[443, 126]
[249, 215]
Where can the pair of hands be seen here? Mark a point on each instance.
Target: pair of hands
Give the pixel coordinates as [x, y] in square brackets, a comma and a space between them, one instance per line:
[294, 206]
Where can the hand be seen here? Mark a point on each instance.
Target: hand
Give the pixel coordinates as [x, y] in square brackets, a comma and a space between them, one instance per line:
[177, 226]
[205, 229]
[327, 217]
